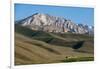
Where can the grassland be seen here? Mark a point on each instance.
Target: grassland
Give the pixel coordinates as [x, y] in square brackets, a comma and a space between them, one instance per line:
[38, 47]
[78, 59]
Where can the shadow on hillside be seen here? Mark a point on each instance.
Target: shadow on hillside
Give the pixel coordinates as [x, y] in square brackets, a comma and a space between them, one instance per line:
[78, 45]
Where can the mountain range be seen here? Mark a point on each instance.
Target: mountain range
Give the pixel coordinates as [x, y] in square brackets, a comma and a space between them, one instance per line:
[49, 23]
[42, 38]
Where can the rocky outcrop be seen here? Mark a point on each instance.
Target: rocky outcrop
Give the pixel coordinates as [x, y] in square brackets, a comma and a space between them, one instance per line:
[45, 22]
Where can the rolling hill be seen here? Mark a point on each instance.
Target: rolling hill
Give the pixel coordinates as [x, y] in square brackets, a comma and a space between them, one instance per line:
[39, 47]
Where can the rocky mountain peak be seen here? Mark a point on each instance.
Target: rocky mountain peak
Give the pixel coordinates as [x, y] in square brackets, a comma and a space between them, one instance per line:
[48, 23]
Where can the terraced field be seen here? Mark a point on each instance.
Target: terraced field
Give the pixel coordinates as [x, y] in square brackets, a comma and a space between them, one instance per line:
[38, 47]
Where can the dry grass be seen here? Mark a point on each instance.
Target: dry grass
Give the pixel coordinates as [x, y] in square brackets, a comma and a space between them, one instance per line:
[30, 51]
[38, 47]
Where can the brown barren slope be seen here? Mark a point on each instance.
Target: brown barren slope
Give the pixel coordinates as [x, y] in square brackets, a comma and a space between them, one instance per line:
[31, 51]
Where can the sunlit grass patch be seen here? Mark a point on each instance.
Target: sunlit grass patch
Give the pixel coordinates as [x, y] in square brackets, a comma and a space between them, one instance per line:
[77, 59]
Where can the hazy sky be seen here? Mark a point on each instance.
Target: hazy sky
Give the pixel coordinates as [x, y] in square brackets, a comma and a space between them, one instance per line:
[76, 14]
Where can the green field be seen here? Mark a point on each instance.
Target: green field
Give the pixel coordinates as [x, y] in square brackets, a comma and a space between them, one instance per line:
[38, 47]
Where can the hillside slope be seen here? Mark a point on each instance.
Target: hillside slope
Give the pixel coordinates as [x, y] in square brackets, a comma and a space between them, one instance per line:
[29, 51]
[35, 47]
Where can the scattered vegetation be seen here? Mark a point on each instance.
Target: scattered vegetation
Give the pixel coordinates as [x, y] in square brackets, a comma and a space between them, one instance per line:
[77, 59]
